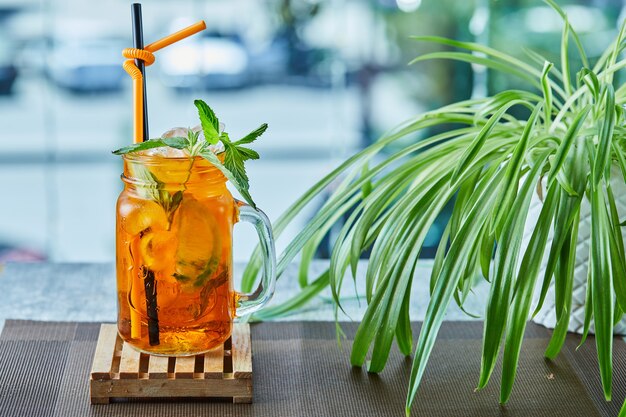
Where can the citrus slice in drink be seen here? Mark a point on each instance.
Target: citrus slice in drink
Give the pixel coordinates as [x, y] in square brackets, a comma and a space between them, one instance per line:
[139, 215]
[157, 248]
[199, 244]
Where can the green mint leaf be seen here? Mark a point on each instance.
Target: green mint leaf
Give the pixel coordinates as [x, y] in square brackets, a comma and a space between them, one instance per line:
[142, 146]
[247, 153]
[170, 203]
[252, 136]
[209, 270]
[150, 191]
[236, 181]
[233, 161]
[236, 155]
[225, 138]
[192, 137]
[209, 122]
[176, 142]
[181, 278]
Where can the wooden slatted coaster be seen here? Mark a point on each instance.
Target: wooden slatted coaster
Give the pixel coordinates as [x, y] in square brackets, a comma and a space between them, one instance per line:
[119, 371]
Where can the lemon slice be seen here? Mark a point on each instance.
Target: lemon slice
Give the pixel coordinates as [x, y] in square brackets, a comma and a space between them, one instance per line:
[199, 244]
[139, 215]
[157, 248]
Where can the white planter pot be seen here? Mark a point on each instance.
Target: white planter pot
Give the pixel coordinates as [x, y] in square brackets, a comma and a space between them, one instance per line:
[547, 315]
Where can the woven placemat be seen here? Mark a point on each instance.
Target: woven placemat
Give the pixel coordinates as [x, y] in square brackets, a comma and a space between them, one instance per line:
[299, 370]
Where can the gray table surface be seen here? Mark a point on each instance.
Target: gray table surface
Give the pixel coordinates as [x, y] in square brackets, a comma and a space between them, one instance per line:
[86, 292]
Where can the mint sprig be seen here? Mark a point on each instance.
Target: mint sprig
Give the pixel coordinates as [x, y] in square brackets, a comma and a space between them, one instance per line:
[235, 156]
[242, 187]
[252, 136]
[209, 122]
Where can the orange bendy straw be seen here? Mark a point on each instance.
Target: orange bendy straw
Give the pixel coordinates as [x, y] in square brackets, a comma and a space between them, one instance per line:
[147, 57]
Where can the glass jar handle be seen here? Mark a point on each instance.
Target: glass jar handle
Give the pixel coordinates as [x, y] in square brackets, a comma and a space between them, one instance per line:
[249, 303]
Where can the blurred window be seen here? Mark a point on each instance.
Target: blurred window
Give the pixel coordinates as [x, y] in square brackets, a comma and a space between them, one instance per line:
[328, 76]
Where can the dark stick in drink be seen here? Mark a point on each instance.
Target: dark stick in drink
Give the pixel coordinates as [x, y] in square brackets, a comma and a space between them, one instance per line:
[148, 275]
[150, 285]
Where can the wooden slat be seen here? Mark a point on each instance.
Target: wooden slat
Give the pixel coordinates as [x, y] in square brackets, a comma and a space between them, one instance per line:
[129, 363]
[175, 388]
[105, 349]
[241, 351]
[214, 363]
[100, 400]
[157, 367]
[243, 400]
[184, 367]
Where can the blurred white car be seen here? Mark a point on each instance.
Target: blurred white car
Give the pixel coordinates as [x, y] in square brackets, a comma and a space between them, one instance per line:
[212, 61]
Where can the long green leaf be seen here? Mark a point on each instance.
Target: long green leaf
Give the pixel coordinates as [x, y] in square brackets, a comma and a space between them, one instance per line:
[299, 300]
[511, 64]
[588, 309]
[590, 79]
[603, 154]
[622, 411]
[547, 91]
[616, 247]
[502, 282]
[568, 139]
[564, 283]
[579, 45]
[601, 282]
[567, 84]
[472, 151]
[478, 60]
[567, 213]
[513, 171]
[446, 282]
[418, 226]
[527, 276]
[404, 334]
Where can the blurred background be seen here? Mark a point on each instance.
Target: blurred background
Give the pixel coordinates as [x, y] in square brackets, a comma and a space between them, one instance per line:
[328, 76]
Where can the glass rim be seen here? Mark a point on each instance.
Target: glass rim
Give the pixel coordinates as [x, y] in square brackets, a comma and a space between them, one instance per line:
[157, 159]
[173, 164]
[134, 156]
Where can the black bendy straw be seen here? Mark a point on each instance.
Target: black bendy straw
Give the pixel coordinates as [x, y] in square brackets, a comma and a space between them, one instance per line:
[150, 284]
[138, 43]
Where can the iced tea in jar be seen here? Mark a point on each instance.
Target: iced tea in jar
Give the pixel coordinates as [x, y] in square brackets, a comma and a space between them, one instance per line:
[175, 219]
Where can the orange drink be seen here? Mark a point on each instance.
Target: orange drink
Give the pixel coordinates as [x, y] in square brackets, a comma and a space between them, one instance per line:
[175, 219]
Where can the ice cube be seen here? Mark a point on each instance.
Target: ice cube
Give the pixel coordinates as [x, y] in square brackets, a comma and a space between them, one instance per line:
[166, 152]
[176, 132]
[217, 148]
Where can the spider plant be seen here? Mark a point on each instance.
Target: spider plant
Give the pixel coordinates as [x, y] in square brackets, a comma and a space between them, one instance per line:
[489, 165]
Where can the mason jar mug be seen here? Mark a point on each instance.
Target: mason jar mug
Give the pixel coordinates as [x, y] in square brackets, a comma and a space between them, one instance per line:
[175, 220]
